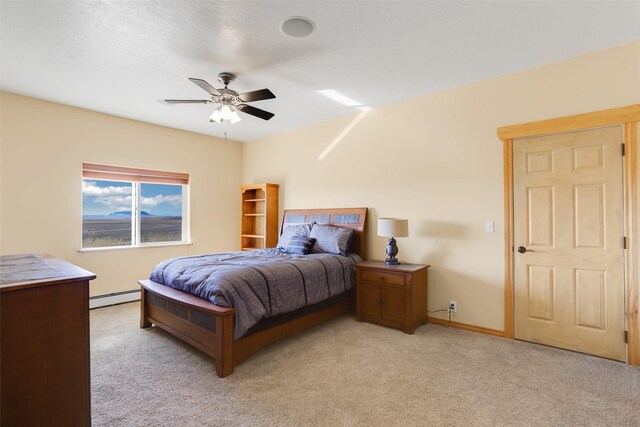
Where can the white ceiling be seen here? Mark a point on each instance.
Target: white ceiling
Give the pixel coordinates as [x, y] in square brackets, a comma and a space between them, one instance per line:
[120, 57]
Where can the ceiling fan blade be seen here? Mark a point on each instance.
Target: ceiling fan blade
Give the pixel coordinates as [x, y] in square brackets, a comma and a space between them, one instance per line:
[264, 115]
[206, 86]
[187, 101]
[257, 95]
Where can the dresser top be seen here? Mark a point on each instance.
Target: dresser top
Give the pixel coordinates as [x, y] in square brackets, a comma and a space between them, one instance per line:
[30, 270]
[381, 265]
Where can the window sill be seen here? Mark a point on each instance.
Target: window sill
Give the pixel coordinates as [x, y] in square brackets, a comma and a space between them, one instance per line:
[123, 248]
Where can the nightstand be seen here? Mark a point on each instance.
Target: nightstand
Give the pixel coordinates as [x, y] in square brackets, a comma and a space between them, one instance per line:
[392, 295]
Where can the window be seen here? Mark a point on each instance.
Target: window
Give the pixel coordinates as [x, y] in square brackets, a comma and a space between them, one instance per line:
[132, 207]
[105, 205]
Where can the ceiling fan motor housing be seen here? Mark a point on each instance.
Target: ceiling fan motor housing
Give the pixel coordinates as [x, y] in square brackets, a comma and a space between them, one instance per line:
[226, 78]
[227, 95]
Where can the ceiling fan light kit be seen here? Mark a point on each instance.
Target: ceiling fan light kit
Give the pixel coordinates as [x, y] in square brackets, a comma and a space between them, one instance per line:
[223, 113]
[229, 101]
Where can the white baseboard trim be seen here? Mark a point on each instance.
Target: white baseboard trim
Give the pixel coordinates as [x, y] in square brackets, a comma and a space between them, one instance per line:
[114, 298]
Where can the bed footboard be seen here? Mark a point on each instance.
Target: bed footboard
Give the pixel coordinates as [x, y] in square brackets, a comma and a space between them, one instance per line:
[209, 327]
[204, 325]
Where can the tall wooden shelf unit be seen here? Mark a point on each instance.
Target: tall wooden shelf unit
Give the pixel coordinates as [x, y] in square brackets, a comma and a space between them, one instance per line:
[259, 216]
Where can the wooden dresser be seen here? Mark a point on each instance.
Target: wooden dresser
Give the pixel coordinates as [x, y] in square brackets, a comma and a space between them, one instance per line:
[392, 295]
[44, 342]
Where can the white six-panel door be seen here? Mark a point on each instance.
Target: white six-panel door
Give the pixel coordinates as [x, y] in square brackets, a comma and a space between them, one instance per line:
[568, 216]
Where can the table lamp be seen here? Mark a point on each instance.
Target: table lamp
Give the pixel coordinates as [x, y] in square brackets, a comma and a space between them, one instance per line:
[392, 227]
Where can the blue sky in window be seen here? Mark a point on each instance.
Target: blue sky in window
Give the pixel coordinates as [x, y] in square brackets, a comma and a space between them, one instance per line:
[106, 197]
[161, 199]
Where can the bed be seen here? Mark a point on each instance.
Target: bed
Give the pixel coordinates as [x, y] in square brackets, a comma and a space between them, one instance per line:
[211, 327]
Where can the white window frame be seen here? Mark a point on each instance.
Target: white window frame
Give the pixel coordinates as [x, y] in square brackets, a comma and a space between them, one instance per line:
[136, 192]
[137, 178]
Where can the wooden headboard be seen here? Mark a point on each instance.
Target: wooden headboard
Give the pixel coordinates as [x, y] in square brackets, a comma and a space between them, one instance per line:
[355, 218]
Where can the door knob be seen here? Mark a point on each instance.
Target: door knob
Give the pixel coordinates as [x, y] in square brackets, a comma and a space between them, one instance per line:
[522, 249]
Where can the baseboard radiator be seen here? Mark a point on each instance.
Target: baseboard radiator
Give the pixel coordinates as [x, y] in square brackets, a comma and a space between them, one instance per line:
[114, 298]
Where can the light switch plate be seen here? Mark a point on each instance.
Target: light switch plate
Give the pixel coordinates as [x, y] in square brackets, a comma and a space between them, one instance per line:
[488, 226]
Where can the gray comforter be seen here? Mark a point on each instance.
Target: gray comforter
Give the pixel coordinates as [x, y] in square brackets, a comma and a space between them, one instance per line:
[259, 284]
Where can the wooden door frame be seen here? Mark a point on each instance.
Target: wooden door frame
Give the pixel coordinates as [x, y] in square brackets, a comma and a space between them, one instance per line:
[628, 117]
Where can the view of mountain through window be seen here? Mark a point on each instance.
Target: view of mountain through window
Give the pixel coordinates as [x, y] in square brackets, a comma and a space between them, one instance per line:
[161, 213]
[107, 219]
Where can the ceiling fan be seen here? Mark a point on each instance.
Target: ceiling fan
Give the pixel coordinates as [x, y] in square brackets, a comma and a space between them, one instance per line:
[229, 101]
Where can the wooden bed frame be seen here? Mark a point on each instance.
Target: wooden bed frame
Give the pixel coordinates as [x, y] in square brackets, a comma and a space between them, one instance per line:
[209, 327]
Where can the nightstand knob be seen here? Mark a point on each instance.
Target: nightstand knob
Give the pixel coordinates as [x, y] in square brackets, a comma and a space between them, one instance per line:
[381, 277]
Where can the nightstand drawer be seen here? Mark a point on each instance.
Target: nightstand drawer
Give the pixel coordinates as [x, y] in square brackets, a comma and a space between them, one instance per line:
[383, 277]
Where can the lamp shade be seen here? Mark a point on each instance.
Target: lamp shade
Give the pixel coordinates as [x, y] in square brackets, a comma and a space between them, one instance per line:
[235, 118]
[393, 227]
[216, 116]
[225, 112]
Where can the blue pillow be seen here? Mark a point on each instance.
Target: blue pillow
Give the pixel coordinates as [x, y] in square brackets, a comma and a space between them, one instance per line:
[299, 245]
[330, 239]
[293, 230]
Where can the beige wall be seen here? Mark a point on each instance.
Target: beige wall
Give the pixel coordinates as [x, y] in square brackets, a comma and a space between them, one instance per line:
[43, 146]
[437, 161]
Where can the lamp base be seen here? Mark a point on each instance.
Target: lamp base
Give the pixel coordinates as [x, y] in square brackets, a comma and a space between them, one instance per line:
[392, 251]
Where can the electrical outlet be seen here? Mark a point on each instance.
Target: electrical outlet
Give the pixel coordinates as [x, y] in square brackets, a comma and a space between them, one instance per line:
[453, 306]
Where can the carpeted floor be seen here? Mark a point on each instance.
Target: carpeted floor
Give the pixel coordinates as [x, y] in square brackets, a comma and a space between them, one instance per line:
[349, 373]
